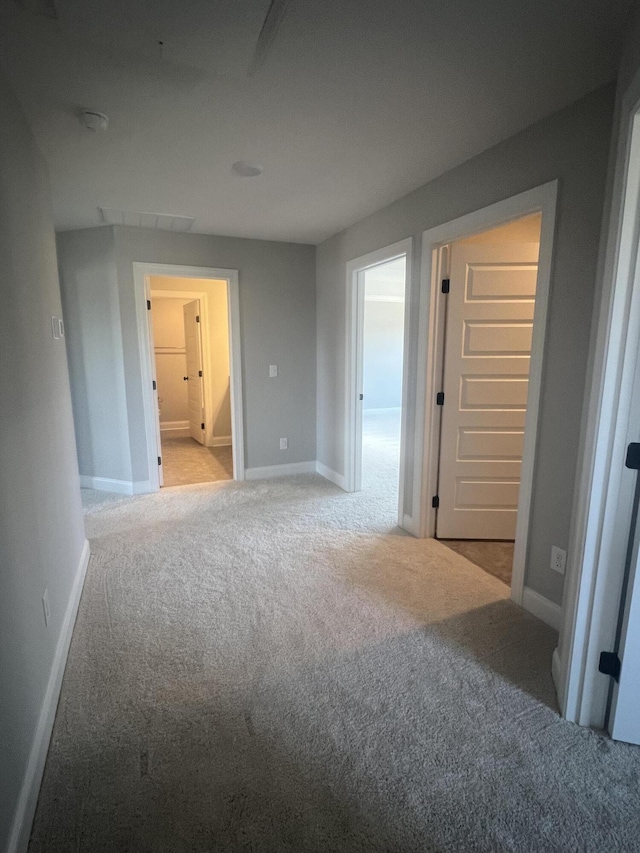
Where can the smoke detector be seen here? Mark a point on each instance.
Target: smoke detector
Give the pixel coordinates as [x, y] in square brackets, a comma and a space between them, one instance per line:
[94, 121]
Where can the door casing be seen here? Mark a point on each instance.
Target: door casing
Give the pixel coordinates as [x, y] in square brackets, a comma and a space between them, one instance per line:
[354, 363]
[431, 321]
[142, 272]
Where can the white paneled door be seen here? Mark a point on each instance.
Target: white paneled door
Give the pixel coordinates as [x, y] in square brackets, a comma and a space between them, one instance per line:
[489, 326]
[193, 346]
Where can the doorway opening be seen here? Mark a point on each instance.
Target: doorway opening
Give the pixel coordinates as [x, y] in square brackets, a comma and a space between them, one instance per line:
[382, 364]
[190, 353]
[481, 346]
[190, 332]
[488, 328]
[376, 372]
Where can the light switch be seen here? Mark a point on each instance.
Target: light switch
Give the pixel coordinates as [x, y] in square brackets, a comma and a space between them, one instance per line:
[273, 371]
[55, 328]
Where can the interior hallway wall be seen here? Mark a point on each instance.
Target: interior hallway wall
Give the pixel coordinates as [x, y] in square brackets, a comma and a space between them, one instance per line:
[277, 326]
[217, 362]
[571, 146]
[41, 526]
[89, 287]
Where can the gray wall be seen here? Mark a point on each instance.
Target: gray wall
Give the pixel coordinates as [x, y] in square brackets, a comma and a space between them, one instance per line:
[94, 340]
[41, 527]
[277, 319]
[572, 146]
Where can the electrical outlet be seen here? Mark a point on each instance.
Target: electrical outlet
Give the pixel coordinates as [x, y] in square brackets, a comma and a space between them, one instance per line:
[45, 607]
[558, 559]
[273, 371]
[284, 443]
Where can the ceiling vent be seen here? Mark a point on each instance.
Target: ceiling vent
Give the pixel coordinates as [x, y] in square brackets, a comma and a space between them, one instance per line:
[161, 221]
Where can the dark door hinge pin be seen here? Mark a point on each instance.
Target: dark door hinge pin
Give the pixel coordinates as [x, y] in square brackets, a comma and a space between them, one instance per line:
[609, 664]
[446, 283]
[440, 398]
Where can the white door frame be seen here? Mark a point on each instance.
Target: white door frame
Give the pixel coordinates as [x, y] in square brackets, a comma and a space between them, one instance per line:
[604, 487]
[354, 362]
[430, 354]
[141, 274]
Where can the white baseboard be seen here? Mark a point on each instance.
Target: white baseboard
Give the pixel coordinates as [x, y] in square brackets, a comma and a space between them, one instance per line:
[175, 429]
[541, 607]
[142, 487]
[286, 470]
[409, 525]
[28, 798]
[219, 441]
[106, 484]
[331, 475]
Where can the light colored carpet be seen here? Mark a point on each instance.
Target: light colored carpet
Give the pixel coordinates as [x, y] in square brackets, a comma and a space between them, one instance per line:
[492, 556]
[185, 462]
[271, 666]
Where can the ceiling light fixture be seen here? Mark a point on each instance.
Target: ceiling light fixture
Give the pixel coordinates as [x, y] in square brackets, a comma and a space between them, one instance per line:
[94, 121]
[245, 169]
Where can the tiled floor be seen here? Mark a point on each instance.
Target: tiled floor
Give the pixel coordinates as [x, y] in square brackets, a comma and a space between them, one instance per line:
[184, 461]
[494, 557]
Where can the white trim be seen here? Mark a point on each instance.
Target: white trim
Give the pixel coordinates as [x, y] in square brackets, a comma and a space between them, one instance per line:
[354, 291]
[28, 798]
[141, 274]
[117, 487]
[541, 607]
[286, 470]
[106, 484]
[143, 487]
[556, 673]
[409, 524]
[331, 475]
[384, 298]
[175, 429]
[220, 441]
[431, 325]
[604, 488]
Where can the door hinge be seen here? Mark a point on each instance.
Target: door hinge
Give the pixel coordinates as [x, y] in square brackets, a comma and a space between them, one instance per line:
[446, 283]
[360, 396]
[148, 305]
[154, 385]
[440, 398]
[201, 426]
[199, 373]
[610, 665]
[435, 501]
[633, 456]
[197, 318]
[159, 460]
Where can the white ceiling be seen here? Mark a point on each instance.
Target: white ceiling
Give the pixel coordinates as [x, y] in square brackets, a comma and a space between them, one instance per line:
[357, 102]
